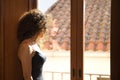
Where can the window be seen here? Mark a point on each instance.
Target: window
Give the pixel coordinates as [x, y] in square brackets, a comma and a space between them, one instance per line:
[90, 38]
[97, 39]
[56, 42]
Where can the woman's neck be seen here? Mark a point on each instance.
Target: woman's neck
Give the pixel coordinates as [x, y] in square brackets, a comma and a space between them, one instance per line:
[33, 39]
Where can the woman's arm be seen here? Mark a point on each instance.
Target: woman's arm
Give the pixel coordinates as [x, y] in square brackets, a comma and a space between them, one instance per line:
[25, 57]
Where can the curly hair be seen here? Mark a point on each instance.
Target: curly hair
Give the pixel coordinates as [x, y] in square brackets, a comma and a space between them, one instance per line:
[30, 23]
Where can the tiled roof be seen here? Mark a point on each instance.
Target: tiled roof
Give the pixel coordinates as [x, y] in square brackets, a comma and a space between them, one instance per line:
[97, 23]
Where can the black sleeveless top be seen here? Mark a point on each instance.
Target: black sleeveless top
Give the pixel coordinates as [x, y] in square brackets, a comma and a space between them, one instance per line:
[37, 64]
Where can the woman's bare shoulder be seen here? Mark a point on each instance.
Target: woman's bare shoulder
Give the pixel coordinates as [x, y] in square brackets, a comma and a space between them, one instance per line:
[24, 49]
[24, 46]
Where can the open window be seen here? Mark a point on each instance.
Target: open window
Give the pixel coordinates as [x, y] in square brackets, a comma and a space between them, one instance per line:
[56, 42]
[97, 27]
[77, 23]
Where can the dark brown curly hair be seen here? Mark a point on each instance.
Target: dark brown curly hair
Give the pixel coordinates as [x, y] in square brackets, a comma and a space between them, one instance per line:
[30, 23]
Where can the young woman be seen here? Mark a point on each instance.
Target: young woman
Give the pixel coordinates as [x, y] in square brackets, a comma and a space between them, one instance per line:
[31, 27]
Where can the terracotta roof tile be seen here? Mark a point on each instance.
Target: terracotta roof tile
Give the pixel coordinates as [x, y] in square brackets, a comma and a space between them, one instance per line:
[97, 23]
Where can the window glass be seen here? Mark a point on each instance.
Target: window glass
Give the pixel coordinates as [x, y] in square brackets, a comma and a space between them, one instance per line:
[56, 41]
[97, 39]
